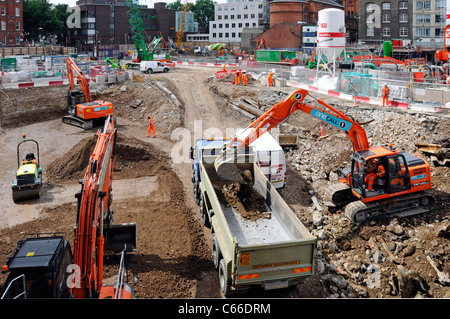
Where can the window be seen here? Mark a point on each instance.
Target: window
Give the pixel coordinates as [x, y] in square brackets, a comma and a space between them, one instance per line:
[3, 25]
[423, 18]
[17, 39]
[233, 35]
[403, 5]
[386, 32]
[233, 25]
[252, 16]
[227, 35]
[403, 17]
[370, 32]
[3, 39]
[420, 5]
[423, 32]
[386, 6]
[220, 25]
[214, 26]
[240, 25]
[225, 17]
[3, 11]
[17, 12]
[438, 32]
[440, 4]
[403, 32]
[386, 18]
[439, 18]
[238, 16]
[214, 35]
[247, 25]
[17, 26]
[245, 16]
[220, 34]
[232, 16]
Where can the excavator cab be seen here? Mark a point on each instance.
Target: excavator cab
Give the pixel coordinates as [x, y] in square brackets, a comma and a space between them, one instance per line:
[39, 267]
[376, 176]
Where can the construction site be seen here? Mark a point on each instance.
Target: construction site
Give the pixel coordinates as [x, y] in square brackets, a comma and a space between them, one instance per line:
[258, 179]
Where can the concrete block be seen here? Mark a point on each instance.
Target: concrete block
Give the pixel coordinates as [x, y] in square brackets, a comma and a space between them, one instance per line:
[112, 78]
[100, 79]
[122, 76]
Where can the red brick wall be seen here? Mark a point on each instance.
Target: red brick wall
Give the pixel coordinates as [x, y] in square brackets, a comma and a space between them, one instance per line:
[10, 19]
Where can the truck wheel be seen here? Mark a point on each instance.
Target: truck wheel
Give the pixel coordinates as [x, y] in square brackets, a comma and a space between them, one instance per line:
[223, 279]
[196, 193]
[203, 214]
[216, 255]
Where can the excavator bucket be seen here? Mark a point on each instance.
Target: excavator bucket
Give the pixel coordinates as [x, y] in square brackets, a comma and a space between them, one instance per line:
[231, 165]
[227, 170]
[119, 235]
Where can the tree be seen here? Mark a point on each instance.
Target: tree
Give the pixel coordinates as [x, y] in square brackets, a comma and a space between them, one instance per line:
[203, 11]
[41, 20]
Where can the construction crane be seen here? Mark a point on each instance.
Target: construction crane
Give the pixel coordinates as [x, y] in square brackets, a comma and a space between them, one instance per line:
[83, 112]
[401, 190]
[151, 52]
[181, 24]
[43, 265]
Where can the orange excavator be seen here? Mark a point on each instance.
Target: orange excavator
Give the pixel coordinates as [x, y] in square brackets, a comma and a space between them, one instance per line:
[83, 112]
[43, 265]
[368, 193]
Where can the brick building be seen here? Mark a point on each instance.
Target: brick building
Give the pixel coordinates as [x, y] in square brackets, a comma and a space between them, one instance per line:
[351, 20]
[287, 18]
[106, 23]
[11, 22]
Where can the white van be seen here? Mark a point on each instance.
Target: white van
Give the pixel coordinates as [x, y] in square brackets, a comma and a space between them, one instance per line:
[269, 157]
[153, 66]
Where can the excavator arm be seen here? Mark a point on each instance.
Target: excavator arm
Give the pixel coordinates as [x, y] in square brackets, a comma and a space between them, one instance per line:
[94, 217]
[72, 68]
[281, 112]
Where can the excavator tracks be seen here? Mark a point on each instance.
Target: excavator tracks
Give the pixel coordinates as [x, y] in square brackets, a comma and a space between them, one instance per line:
[76, 121]
[340, 194]
[359, 212]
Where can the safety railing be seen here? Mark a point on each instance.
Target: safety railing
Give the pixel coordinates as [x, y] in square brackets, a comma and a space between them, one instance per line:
[23, 293]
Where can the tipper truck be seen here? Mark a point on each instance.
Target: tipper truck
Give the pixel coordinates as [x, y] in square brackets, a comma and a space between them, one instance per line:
[272, 249]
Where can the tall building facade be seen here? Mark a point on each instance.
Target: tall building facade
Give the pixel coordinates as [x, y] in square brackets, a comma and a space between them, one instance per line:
[232, 17]
[11, 22]
[420, 22]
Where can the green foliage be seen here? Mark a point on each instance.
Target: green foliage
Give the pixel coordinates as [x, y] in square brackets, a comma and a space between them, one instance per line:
[40, 19]
[203, 10]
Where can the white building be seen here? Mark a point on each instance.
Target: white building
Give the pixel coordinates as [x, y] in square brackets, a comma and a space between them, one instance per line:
[232, 17]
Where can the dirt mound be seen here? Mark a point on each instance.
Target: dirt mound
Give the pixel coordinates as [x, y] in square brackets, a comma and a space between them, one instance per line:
[172, 253]
[133, 159]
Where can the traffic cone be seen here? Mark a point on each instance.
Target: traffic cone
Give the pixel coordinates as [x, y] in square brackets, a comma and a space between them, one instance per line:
[322, 132]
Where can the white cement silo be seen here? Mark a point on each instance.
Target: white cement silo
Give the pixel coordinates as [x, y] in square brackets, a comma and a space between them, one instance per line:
[331, 32]
[330, 39]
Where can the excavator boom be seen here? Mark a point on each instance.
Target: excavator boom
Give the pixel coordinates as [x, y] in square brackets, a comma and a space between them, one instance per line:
[94, 216]
[281, 112]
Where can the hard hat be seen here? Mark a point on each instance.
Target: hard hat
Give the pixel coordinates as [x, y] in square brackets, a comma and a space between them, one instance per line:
[149, 117]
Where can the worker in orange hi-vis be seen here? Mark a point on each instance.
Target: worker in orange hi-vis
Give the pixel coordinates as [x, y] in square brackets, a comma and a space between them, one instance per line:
[270, 79]
[151, 126]
[385, 90]
[237, 79]
[244, 78]
[224, 67]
